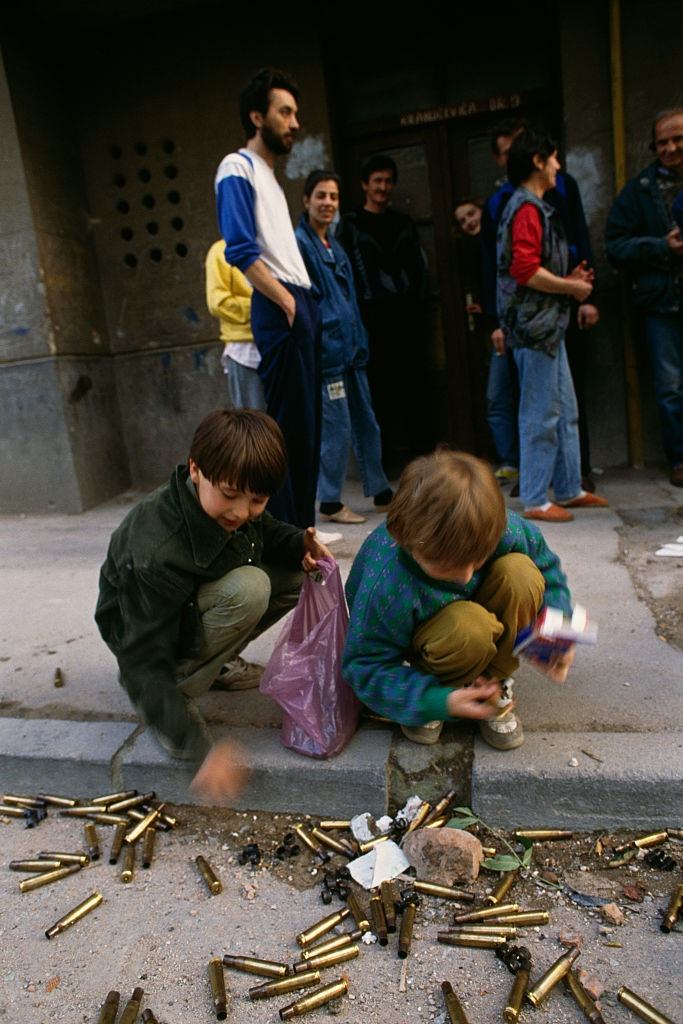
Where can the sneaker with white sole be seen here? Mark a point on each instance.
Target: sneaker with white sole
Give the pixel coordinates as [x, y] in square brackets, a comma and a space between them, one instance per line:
[427, 733]
[504, 731]
[327, 538]
[238, 674]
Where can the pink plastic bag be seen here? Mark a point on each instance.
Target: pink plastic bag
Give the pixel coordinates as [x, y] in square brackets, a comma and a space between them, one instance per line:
[304, 672]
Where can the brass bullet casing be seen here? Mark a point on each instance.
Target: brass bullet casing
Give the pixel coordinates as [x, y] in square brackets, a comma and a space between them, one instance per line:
[148, 820]
[379, 924]
[471, 939]
[502, 889]
[673, 911]
[167, 820]
[486, 912]
[111, 798]
[372, 843]
[40, 866]
[542, 835]
[673, 833]
[132, 1008]
[148, 847]
[212, 880]
[336, 845]
[307, 841]
[24, 801]
[651, 839]
[59, 678]
[323, 995]
[56, 875]
[490, 851]
[117, 843]
[525, 919]
[58, 801]
[109, 819]
[506, 930]
[583, 1000]
[405, 935]
[389, 903]
[644, 1010]
[128, 866]
[439, 808]
[454, 1008]
[251, 965]
[218, 993]
[420, 817]
[80, 811]
[132, 800]
[326, 924]
[148, 1017]
[91, 841]
[360, 917]
[135, 814]
[65, 858]
[333, 824]
[110, 1007]
[278, 988]
[436, 822]
[318, 963]
[13, 811]
[513, 1007]
[446, 892]
[539, 992]
[74, 915]
[338, 942]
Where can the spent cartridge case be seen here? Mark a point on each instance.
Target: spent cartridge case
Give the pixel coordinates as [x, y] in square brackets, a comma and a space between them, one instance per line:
[440, 806]
[59, 678]
[486, 912]
[65, 858]
[132, 1008]
[471, 939]
[167, 820]
[389, 904]
[110, 798]
[133, 800]
[372, 843]
[109, 819]
[379, 924]
[80, 811]
[56, 875]
[513, 1007]
[318, 963]
[128, 866]
[675, 833]
[436, 822]
[420, 817]
[326, 924]
[502, 889]
[337, 845]
[135, 814]
[117, 843]
[91, 841]
[360, 917]
[277, 988]
[212, 880]
[137, 830]
[582, 999]
[308, 841]
[445, 892]
[485, 929]
[74, 915]
[542, 835]
[110, 1007]
[333, 824]
[643, 1009]
[149, 1017]
[454, 1008]
[490, 851]
[58, 801]
[673, 911]
[651, 839]
[251, 965]
[405, 935]
[540, 991]
[13, 811]
[318, 998]
[148, 847]
[218, 993]
[525, 919]
[338, 942]
[35, 865]
[23, 801]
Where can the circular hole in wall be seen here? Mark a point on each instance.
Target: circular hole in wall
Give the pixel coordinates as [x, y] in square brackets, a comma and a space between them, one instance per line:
[130, 260]
[155, 254]
[145, 175]
[152, 227]
[181, 249]
[177, 223]
[173, 197]
[171, 171]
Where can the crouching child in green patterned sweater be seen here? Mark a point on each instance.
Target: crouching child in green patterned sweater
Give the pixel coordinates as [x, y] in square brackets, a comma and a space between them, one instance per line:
[437, 596]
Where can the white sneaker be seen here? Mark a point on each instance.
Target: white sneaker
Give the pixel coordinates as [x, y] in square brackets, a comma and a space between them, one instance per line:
[427, 733]
[327, 538]
[504, 731]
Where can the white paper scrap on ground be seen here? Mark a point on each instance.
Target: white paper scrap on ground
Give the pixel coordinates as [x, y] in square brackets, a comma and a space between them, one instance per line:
[672, 550]
[412, 806]
[384, 824]
[363, 827]
[381, 864]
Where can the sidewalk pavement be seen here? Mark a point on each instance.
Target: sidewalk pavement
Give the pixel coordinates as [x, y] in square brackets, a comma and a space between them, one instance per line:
[605, 749]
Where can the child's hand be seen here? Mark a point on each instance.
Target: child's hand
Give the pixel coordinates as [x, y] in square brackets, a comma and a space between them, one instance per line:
[472, 701]
[313, 550]
[558, 667]
[220, 778]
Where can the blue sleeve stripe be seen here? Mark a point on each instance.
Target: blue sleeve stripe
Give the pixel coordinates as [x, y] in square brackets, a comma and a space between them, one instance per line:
[237, 221]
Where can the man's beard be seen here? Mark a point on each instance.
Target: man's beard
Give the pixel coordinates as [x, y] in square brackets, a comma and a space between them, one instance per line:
[274, 142]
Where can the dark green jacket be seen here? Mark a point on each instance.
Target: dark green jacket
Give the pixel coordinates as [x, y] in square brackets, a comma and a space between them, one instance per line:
[159, 556]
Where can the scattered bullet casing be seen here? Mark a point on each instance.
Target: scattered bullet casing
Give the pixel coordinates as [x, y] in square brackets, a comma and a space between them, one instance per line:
[337, 845]
[389, 904]
[454, 1007]
[91, 841]
[110, 798]
[319, 963]
[109, 819]
[359, 915]
[307, 841]
[132, 1007]
[24, 801]
[379, 924]
[440, 807]
[40, 866]
[642, 843]
[502, 889]
[472, 939]
[673, 911]
[56, 875]
[436, 822]
[323, 995]
[539, 992]
[673, 833]
[515, 1001]
[128, 867]
[485, 912]
[59, 678]
[278, 988]
[372, 843]
[251, 965]
[525, 919]
[12, 811]
[80, 811]
[110, 1007]
[74, 915]
[148, 1017]
[218, 993]
[338, 942]
[507, 930]
[132, 800]
[117, 843]
[167, 820]
[323, 926]
[583, 1000]
[212, 880]
[420, 817]
[148, 820]
[330, 826]
[148, 847]
[542, 835]
[446, 892]
[65, 858]
[642, 1008]
[405, 935]
[58, 801]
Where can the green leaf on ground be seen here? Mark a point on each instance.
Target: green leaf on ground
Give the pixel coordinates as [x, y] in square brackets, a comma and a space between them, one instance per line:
[463, 822]
[501, 862]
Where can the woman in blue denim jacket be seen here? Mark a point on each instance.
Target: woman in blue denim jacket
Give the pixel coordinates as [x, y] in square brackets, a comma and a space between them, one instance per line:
[347, 415]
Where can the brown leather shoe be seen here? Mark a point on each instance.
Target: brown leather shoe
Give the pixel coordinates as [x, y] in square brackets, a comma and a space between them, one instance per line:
[586, 501]
[554, 514]
[344, 515]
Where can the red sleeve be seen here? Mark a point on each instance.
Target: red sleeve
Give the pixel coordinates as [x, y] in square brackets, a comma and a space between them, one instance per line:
[527, 236]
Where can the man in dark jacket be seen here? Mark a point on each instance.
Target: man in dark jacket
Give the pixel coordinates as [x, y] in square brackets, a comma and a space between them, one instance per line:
[643, 239]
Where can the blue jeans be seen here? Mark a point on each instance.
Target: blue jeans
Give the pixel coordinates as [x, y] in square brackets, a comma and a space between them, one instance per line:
[244, 386]
[548, 430]
[501, 408]
[345, 421]
[665, 341]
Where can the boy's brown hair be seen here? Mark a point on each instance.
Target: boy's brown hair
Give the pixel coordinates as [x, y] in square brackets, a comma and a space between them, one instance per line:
[241, 447]
[448, 509]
